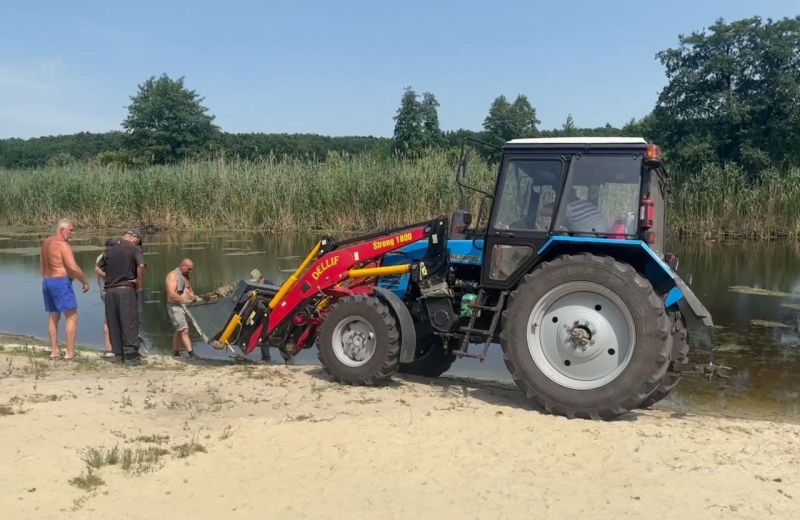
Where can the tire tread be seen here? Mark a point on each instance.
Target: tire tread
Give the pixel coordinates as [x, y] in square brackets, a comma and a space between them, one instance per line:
[645, 389]
[392, 361]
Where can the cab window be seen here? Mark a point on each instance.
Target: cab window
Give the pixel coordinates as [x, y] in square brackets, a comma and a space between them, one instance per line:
[601, 196]
[528, 194]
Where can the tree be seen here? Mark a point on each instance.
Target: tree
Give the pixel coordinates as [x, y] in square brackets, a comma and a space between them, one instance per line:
[409, 136]
[568, 128]
[508, 121]
[430, 120]
[733, 95]
[167, 121]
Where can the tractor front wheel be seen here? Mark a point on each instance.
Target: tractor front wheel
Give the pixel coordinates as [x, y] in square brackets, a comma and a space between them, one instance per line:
[359, 342]
[586, 336]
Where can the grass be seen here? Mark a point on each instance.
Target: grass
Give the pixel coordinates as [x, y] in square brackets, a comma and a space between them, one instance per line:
[142, 460]
[720, 201]
[88, 480]
[152, 439]
[98, 457]
[349, 194]
[344, 193]
[226, 433]
[182, 451]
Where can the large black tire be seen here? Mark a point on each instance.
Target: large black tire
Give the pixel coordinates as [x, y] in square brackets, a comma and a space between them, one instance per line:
[649, 360]
[386, 358]
[680, 353]
[430, 359]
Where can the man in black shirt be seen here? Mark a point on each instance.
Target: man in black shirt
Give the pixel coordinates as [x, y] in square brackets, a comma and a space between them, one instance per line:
[123, 265]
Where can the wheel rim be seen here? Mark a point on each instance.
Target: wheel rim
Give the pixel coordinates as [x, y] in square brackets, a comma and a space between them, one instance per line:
[581, 335]
[354, 341]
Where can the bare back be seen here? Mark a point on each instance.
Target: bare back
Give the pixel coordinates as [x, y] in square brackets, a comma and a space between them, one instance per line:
[53, 263]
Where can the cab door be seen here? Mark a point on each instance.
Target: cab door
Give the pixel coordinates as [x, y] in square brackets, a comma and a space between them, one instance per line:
[523, 212]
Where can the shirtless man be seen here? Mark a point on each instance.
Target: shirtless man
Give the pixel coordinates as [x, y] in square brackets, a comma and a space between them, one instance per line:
[58, 267]
[179, 292]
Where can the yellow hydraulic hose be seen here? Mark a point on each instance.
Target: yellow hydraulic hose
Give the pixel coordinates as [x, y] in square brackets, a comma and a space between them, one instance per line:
[293, 279]
[228, 332]
[230, 328]
[388, 270]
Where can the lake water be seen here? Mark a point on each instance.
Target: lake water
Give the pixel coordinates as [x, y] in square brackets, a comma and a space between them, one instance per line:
[759, 335]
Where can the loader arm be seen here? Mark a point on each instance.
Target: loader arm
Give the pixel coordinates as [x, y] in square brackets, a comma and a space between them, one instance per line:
[324, 271]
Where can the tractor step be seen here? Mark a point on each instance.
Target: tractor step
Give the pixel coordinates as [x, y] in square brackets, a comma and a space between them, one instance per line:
[487, 333]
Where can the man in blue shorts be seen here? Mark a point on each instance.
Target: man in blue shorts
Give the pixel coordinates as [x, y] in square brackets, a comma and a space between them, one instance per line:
[58, 267]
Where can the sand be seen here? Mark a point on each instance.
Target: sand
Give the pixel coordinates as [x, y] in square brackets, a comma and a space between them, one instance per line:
[285, 442]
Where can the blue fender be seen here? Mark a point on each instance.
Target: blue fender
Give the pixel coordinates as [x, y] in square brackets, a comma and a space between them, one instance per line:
[679, 296]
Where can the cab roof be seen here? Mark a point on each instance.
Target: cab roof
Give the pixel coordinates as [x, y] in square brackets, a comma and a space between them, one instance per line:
[572, 142]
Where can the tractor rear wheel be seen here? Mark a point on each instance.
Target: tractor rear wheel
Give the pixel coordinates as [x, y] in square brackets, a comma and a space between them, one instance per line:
[430, 360]
[586, 336]
[680, 353]
[359, 342]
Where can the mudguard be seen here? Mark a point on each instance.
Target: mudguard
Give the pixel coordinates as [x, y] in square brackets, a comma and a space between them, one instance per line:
[681, 292]
[680, 296]
[408, 332]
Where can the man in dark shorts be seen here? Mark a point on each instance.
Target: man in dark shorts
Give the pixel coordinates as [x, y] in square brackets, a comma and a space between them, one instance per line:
[123, 265]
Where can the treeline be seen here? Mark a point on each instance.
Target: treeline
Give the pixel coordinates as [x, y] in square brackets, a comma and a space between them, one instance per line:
[110, 147]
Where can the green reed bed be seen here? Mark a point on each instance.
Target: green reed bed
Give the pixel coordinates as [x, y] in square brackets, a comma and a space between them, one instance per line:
[346, 193]
[343, 193]
[720, 201]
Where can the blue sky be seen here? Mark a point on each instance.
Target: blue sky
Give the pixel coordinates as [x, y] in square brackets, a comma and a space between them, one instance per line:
[339, 67]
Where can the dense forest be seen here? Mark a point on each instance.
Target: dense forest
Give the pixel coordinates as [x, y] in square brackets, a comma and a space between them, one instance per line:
[728, 121]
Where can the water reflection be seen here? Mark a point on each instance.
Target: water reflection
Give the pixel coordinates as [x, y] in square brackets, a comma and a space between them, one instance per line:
[766, 359]
[760, 333]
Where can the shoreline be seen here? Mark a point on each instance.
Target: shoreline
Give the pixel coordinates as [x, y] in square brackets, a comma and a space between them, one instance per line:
[31, 346]
[89, 440]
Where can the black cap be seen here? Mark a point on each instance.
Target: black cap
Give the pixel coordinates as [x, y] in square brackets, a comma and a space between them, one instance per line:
[112, 241]
[135, 233]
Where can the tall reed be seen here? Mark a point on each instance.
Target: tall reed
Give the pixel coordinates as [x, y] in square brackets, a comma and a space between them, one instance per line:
[346, 193]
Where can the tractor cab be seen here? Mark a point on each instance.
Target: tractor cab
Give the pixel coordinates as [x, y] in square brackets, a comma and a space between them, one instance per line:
[592, 188]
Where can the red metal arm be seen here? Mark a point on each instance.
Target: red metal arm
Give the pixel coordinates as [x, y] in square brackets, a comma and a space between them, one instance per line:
[332, 268]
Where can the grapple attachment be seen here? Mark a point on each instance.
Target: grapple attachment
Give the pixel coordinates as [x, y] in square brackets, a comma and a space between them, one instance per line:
[211, 317]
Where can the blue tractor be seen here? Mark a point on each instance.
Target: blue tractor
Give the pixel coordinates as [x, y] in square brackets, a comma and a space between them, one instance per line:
[569, 274]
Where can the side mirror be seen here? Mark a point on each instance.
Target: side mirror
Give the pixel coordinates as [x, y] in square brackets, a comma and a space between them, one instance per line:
[467, 219]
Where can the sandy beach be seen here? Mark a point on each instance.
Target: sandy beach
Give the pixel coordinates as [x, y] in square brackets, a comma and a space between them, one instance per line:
[173, 439]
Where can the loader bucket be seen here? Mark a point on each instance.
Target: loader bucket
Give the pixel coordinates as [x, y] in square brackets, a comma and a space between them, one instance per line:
[210, 317]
